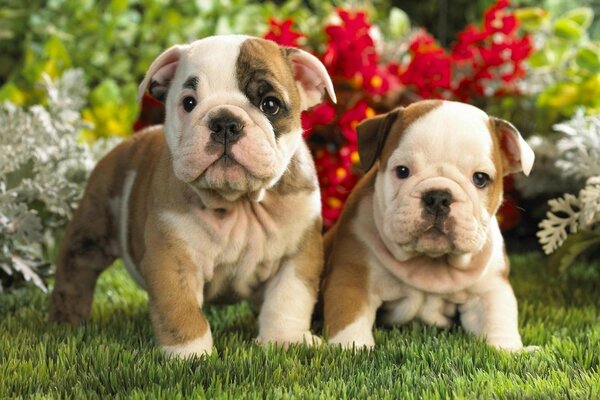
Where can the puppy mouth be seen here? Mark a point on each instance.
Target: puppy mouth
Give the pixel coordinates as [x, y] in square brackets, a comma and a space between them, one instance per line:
[434, 240]
[228, 177]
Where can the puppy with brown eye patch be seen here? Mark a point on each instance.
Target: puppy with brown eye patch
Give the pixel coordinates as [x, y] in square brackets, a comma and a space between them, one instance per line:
[418, 236]
[220, 204]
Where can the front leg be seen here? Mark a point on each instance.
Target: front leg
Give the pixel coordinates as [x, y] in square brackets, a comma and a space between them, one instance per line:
[349, 306]
[291, 294]
[494, 316]
[176, 296]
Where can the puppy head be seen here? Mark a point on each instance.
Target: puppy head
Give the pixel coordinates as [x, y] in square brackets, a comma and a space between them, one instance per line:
[233, 107]
[439, 182]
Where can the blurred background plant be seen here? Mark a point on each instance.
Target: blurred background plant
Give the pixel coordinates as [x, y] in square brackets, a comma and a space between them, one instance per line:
[42, 172]
[533, 62]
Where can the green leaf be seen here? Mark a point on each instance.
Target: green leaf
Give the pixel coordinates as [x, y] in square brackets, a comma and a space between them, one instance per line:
[531, 18]
[399, 23]
[119, 6]
[559, 96]
[582, 16]
[588, 58]
[568, 29]
[12, 93]
[573, 247]
[541, 58]
[107, 92]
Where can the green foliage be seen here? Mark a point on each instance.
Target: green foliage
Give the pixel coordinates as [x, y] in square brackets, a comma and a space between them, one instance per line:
[114, 355]
[566, 66]
[114, 42]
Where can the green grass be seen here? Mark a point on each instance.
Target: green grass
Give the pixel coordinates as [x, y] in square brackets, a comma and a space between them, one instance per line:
[114, 355]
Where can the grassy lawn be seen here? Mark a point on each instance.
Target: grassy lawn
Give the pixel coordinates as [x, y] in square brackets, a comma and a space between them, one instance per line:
[114, 355]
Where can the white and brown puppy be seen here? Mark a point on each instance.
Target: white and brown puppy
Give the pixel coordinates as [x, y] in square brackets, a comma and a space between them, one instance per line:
[220, 203]
[418, 235]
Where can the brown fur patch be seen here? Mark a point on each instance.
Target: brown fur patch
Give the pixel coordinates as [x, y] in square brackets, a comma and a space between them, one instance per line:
[143, 154]
[345, 283]
[262, 71]
[495, 189]
[172, 286]
[90, 243]
[407, 117]
[309, 258]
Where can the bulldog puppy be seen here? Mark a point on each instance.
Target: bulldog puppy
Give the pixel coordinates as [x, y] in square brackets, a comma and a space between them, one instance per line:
[418, 235]
[220, 203]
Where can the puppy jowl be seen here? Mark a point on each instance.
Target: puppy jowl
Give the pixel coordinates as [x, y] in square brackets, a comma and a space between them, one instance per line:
[418, 236]
[220, 203]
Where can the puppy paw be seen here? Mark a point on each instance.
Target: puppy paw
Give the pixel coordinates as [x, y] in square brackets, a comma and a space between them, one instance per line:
[530, 349]
[439, 320]
[359, 342]
[284, 340]
[199, 347]
[356, 344]
[512, 346]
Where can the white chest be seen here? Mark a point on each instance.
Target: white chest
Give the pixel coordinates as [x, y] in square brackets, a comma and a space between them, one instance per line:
[238, 249]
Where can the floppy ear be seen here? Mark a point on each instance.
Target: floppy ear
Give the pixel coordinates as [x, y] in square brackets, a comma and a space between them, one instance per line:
[161, 72]
[311, 77]
[516, 154]
[372, 134]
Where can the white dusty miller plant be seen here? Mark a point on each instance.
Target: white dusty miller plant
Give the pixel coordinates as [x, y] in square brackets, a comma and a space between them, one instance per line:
[43, 168]
[577, 215]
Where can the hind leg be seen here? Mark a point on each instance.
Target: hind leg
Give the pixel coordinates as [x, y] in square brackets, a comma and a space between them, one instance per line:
[86, 250]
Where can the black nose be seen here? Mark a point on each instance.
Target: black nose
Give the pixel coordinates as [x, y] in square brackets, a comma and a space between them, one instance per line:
[225, 129]
[437, 202]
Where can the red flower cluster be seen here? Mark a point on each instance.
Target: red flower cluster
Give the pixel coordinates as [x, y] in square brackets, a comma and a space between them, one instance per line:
[351, 58]
[351, 54]
[281, 32]
[483, 62]
[337, 167]
[429, 70]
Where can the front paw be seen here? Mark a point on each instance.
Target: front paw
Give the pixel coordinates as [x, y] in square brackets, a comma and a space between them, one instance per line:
[202, 346]
[518, 349]
[511, 345]
[284, 340]
[358, 342]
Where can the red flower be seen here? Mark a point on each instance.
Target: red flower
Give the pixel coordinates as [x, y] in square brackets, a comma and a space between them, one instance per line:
[352, 117]
[350, 52]
[322, 114]
[282, 33]
[429, 70]
[483, 58]
[336, 179]
[497, 19]
[486, 60]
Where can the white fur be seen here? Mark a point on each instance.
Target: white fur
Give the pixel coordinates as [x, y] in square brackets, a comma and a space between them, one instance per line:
[197, 347]
[443, 149]
[240, 240]
[260, 158]
[359, 333]
[493, 315]
[213, 60]
[286, 312]
[124, 230]
[246, 244]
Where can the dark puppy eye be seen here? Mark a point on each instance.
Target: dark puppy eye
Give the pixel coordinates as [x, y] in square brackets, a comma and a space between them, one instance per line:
[189, 103]
[402, 172]
[270, 105]
[481, 179]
